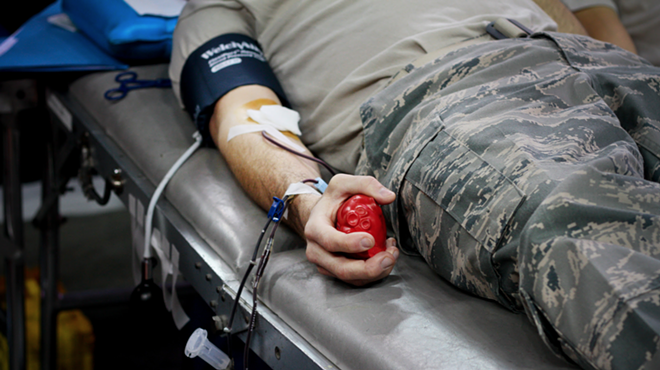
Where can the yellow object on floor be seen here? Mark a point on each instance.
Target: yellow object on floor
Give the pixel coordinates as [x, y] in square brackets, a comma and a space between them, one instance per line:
[75, 337]
[4, 350]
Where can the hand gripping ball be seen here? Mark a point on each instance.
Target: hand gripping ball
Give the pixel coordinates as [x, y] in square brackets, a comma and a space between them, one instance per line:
[360, 213]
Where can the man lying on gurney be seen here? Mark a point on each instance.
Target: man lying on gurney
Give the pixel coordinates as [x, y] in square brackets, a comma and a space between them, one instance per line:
[524, 170]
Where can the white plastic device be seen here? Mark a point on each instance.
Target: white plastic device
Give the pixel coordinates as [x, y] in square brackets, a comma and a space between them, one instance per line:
[199, 345]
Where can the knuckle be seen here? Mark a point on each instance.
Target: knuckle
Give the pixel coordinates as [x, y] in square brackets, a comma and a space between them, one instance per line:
[335, 180]
[311, 256]
[373, 273]
[342, 273]
[370, 180]
[309, 232]
[312, 233]
[371, 183]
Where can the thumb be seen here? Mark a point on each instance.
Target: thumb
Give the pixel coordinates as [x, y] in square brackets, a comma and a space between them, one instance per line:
[343, 186]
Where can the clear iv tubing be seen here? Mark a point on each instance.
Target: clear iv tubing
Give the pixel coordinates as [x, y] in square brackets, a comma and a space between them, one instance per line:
[159, 190]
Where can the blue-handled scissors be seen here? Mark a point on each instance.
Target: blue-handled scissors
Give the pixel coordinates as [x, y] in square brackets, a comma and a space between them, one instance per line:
[128, 81]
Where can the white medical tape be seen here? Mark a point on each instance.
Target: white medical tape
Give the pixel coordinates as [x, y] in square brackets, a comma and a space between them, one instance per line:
[295, 189]
[139, 213]
[300, 188]
[163, 261]
[165, 246]
[272, 131]
[165, 272]
[137, 237]
[131, 205]
[178, 314]
[169, 267]
[282, 118]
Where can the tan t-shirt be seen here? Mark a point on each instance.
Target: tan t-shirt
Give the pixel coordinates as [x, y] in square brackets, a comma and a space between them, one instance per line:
[641, 18]
[330, 56]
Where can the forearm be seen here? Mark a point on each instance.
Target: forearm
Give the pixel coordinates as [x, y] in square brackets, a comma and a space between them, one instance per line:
[265, 170]
[262, 169]
[566, 20]
[602, 23]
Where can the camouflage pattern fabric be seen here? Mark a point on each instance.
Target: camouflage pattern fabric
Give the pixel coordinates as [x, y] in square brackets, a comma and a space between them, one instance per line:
[526, 172]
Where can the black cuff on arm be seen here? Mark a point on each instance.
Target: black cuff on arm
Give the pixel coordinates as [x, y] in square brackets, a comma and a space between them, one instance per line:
[219, 66]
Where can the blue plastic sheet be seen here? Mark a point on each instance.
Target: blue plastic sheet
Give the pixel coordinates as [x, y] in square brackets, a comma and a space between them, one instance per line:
[39, 46]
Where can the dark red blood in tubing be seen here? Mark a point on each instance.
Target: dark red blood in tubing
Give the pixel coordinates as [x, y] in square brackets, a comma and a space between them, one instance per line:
[360, 213]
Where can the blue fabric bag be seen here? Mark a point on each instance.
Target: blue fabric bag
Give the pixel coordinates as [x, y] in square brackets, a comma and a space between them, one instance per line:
[119, 30]
[40, 46]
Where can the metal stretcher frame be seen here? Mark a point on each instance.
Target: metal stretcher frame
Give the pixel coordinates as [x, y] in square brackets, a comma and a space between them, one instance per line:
[412, 319]
[209, 275]
[12, 244]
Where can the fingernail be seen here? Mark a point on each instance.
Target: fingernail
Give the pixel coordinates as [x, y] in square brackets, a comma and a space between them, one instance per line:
[385, 192]
[366, 243]
[395, 253]
[386, 263]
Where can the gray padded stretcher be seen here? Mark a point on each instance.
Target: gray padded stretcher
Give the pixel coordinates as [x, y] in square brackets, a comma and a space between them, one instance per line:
[411, 320]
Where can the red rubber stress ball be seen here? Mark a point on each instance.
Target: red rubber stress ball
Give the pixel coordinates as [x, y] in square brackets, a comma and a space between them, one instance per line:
[360, 213]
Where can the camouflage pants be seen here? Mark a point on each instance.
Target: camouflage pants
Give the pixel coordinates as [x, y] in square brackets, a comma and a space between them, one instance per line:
[526, 172]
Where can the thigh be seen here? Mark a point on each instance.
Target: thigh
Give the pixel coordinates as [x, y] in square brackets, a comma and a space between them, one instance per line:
[478, 138]
[628, 85]
[590, 269]
[475, 142]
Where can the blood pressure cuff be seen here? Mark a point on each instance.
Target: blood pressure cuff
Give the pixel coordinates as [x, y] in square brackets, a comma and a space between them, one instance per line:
[219, 66]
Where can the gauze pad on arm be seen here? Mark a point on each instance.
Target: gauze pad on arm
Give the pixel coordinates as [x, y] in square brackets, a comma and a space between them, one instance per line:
[273, 119]
[282, 118]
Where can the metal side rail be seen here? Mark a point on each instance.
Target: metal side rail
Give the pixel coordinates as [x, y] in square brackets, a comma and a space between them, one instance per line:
[12, 246]
[274, 341]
